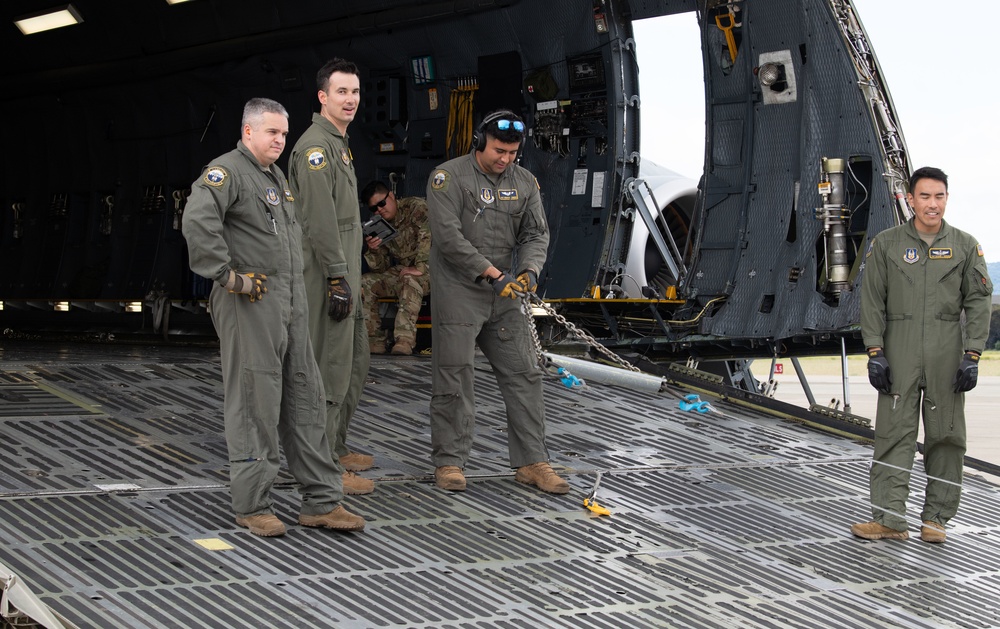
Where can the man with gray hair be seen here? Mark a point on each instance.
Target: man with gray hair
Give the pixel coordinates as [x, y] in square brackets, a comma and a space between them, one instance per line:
[242, 232]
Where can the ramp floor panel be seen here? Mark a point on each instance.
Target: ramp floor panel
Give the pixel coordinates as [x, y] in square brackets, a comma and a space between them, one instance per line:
[115, 511]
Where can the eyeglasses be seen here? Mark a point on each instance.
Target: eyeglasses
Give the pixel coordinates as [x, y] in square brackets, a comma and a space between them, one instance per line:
[503, 125]
[381, 204]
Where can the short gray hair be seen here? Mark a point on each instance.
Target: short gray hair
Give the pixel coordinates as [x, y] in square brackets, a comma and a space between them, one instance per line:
[255, 109]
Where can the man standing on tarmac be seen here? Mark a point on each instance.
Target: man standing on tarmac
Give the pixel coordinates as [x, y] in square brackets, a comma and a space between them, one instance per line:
[486, 221]
[919, 278]
[323, 180]
[241, 232]
[399, 268]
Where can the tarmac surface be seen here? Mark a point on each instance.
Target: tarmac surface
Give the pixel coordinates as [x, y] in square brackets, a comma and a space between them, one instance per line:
[981, 404]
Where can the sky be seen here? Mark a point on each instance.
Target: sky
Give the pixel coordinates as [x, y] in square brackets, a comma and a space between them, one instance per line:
[936, 63]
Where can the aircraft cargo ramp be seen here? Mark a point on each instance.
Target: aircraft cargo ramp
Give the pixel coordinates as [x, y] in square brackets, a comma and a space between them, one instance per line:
[114, 510]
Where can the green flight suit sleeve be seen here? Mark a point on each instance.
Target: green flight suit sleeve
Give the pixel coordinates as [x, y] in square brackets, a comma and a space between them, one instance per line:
[533, 232]
[203, 223]
[314, 188]
[977, 291]
[444, 209]
[874, 287]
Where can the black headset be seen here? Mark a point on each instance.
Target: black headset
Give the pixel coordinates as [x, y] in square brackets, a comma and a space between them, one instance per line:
[479, 135]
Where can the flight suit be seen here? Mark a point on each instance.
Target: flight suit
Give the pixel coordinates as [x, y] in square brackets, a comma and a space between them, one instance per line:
[241, 217]
[410, 248]
[912, 298]
[477, 220]
[326, 189]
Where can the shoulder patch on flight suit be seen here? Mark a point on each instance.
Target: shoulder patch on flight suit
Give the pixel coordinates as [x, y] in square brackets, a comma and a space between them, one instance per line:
[911, 256]
[486, 195]
[507, 195]
[216, 176]
[288, 195]
[979, 249]
[938, 253]
[439, 180]
[316, 157]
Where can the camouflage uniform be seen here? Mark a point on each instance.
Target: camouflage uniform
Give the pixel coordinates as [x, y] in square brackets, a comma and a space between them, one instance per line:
[410, 248]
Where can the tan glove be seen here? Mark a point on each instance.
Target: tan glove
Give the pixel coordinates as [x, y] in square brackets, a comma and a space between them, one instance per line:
[251, 284]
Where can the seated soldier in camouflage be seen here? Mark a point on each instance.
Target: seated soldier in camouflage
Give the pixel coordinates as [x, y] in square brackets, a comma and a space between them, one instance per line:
[399, 267]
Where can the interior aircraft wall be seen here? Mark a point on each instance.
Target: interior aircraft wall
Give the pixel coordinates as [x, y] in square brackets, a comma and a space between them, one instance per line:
[115, 136]
[763, 167]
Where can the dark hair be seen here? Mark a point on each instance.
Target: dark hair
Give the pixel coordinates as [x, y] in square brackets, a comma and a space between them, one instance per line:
[333, 65]
[928, 172]
[508, 135]
[373, 188]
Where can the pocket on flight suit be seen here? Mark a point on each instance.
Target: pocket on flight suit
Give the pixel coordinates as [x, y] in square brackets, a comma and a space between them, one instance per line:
[262, 396]
[308, 400]
[515, 349]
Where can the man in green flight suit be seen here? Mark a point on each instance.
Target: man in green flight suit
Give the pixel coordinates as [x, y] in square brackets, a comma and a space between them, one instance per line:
[241, 232]
[486, 221]
[919, 279]
[399, 267]
[321, 170]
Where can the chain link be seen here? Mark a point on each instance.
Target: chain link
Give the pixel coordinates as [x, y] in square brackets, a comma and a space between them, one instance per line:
[533, 299]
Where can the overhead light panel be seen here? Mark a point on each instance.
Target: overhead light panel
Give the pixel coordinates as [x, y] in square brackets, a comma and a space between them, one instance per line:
[57, 17]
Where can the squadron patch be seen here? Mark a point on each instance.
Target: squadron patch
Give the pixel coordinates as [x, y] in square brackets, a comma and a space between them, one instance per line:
[346, 156]
[316, 157]
[979, 250]
[272, 196]
[507, 195]
[216, 176]
[288, 195]
[486, 195]
[939, 254]
[910, 256]
[439, 180]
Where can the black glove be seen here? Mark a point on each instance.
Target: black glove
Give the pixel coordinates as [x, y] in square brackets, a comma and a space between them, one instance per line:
[339, 294]
[968, 373]
[251, 284]
[506, 287]
[528, 280]
[878, 371]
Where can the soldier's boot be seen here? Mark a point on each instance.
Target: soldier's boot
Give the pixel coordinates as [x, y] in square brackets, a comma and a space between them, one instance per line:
[339, 519]
[542, 476]
[450, 477]
[932, 532]
[263, 524]
[403, 347]
[877, 530]
[355, 485]
[357, 462]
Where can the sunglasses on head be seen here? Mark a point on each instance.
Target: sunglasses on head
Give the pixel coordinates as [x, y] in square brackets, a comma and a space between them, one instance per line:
[503, 125]
[381, 204]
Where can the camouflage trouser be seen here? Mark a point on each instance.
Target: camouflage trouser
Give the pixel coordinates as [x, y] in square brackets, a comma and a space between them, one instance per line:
[409, 291]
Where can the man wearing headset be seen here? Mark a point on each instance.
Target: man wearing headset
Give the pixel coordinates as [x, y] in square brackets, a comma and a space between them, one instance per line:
[488, 243]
